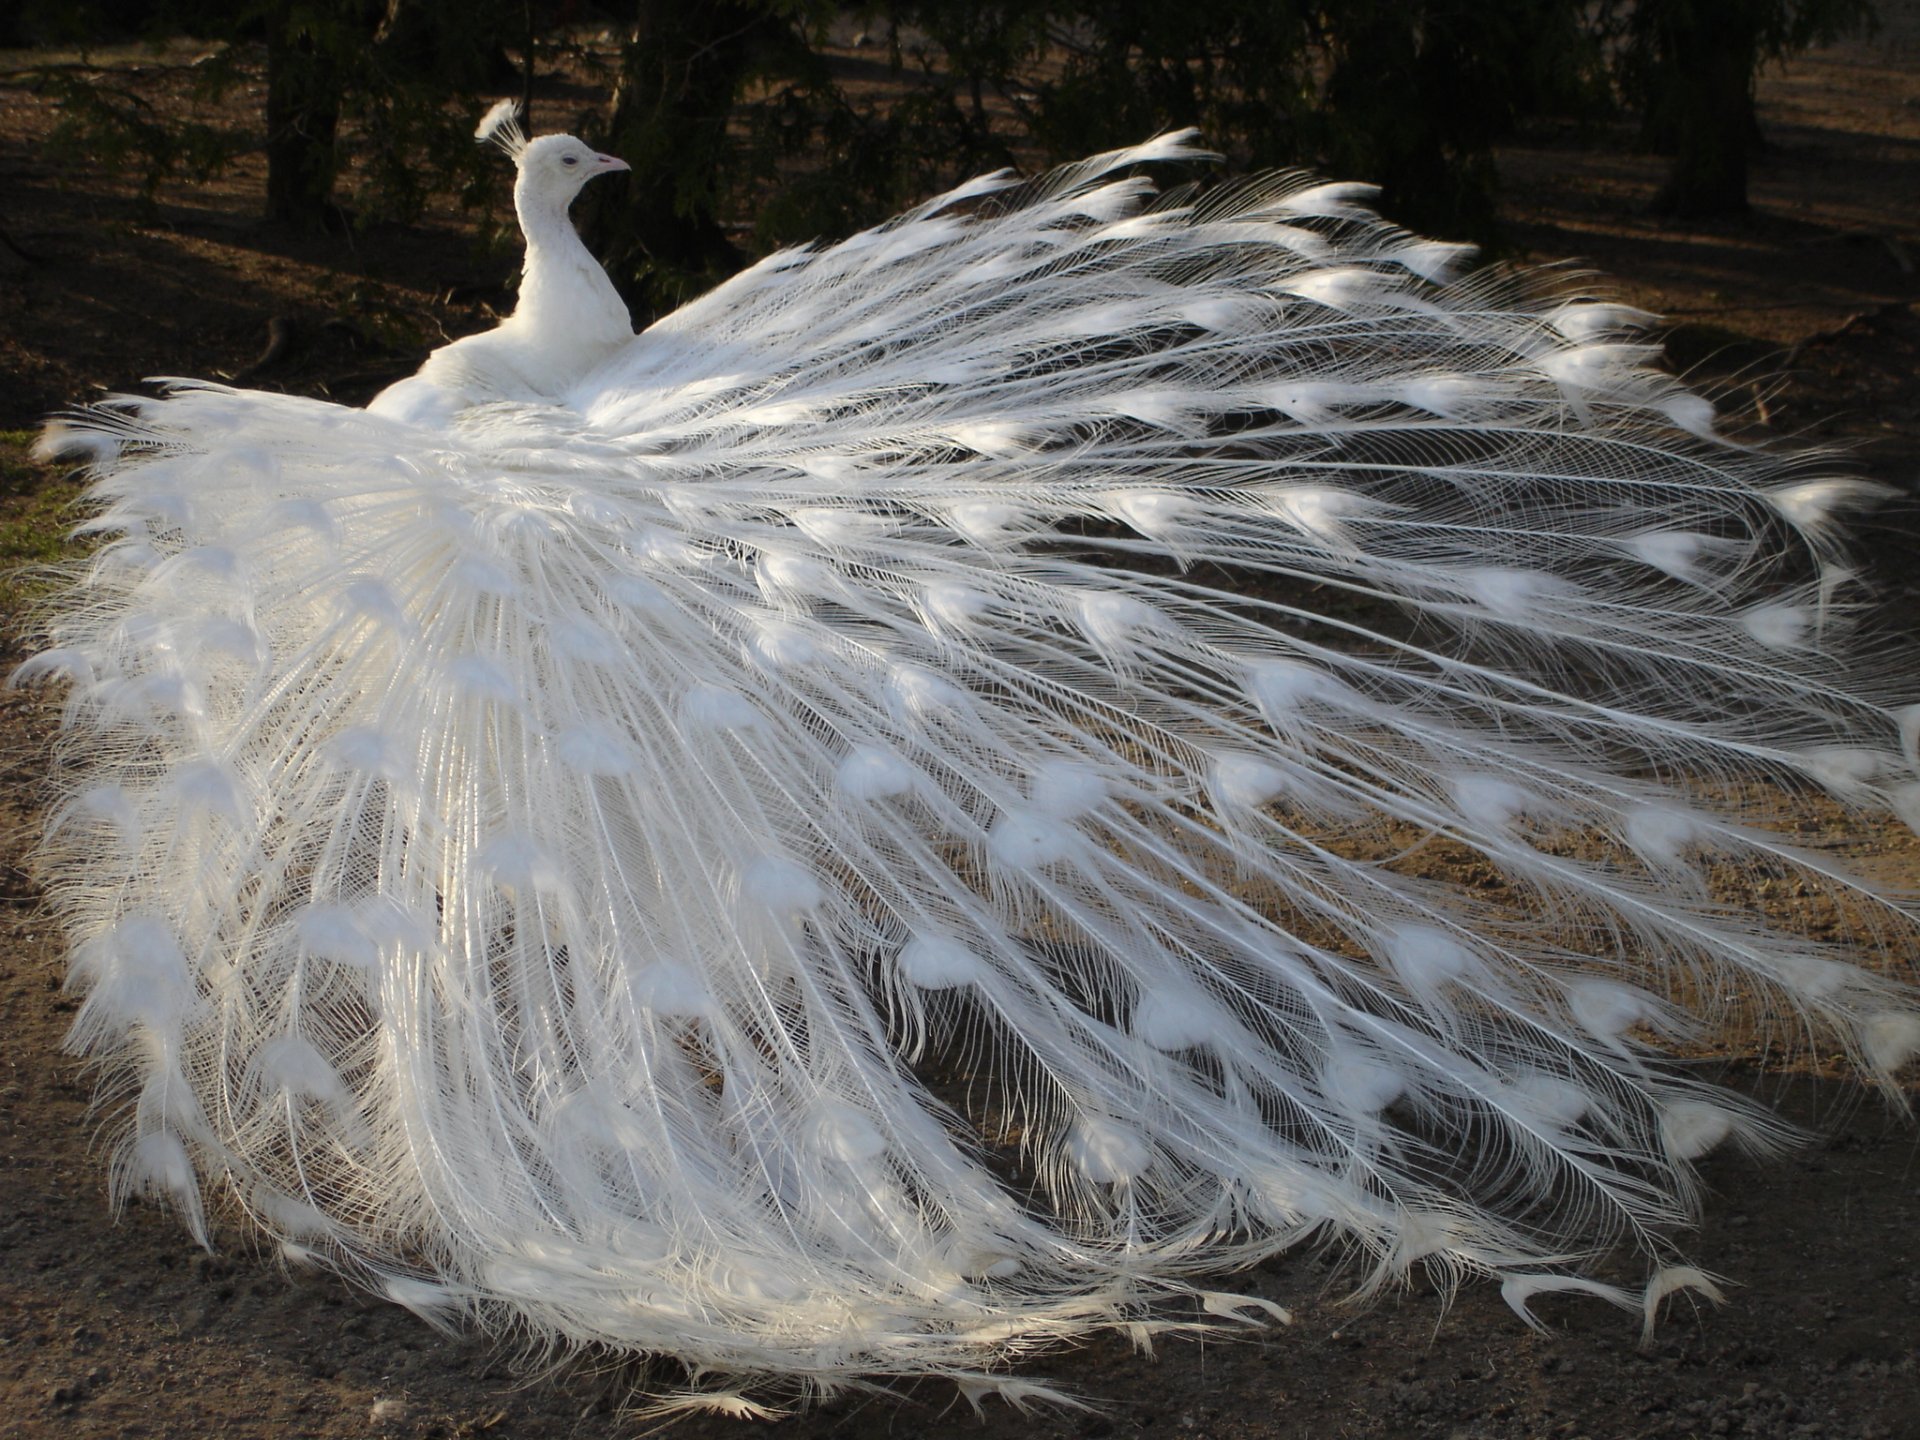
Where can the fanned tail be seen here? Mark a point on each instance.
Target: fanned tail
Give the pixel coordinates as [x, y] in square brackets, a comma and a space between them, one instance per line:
[978, 774]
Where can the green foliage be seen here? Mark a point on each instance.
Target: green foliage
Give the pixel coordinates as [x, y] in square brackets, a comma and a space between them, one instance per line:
[378, 92]
[104, 121]
[746, 130]
[36, 521]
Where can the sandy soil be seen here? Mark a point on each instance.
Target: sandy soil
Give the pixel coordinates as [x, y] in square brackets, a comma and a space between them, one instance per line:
[1805, 312]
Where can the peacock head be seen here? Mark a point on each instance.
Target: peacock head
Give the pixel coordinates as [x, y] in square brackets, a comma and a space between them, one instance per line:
[552, 168]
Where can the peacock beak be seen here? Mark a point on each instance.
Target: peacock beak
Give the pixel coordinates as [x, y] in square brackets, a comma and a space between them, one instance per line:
[609, 163]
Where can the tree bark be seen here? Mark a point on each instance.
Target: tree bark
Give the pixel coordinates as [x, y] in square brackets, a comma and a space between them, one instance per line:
[660, 235]
[303, 118]
[1709, 51]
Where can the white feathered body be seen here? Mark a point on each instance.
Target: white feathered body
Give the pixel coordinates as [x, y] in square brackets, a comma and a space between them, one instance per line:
[882, 820]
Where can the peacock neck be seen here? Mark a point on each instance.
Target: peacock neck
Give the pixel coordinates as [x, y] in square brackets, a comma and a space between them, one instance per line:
[565, 296]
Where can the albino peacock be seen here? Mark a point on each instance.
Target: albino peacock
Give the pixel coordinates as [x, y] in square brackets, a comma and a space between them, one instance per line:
[890, 816]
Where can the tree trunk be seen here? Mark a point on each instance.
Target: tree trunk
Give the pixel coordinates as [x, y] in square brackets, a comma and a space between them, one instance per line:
[1708, 51]
[660, 235]
[303, 116]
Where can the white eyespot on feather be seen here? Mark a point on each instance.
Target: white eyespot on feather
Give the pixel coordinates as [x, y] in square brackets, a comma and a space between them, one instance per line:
[718, 707]
[1843, 769]
[1160, 515]
[672, 989]
[999, 439]
[938, 962]
[1359, 1084]
[332, 932]
[846, 1134]
[834, 529]
[1691, 1128]
[1516, 596]
[1434, 261]
[167, 1101]
[112, 804]
[484, 576]
[916, 691]
[670, 549]
[294, 1065]
[1490, 803]
[1690, 412]
[1332, 200]
[1890, 1039]
[578, 638]
[1812, 978]
[1598, 366]
[872, 772]
[1024, 839]
[1173, 1017]
[1320, 511]
[66, 442]
[1427, 959]
[1551, 1099]
[1245, 782]
[217, 635]
[157, 1165]
[782, 574]
[1107, 1152]
[638, 594]
[1115, 622]
[781, 885]
[1815, 504]
[1904, 801]
[1678, 553]
[1313, 402]
[1670, 1280]
[290, 1218]
[1066, 789]
[1585, 320]
[776, 644]
[590, 748]
[954, 606]
[519, 862]
[988, 522]
[134, 974]
[1341, 287]
[369, 599]
[1607, 1009]
[1424, 1234]
[1284, 689]
[366, 751]
[208, 787]
[1175, 409]
[1449, 397]
[478, 678]
[437, 1304]
[1662, 834]
[1777, 626]
[1222, 314]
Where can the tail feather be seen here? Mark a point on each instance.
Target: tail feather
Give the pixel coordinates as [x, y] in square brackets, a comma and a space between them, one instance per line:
[975, 776]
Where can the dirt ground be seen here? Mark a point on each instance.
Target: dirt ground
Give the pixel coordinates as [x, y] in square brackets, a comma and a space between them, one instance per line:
[1804, 312]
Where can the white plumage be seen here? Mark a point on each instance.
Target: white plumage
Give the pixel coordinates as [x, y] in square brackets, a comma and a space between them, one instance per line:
[881, 820]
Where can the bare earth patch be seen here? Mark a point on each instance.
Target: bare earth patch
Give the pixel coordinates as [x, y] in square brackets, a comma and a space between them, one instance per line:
[1804, 312]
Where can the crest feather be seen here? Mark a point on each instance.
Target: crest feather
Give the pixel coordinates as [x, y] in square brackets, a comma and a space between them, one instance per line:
[501, 125]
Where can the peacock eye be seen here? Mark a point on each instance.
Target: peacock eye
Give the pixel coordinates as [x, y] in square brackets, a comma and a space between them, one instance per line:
[569, 159]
